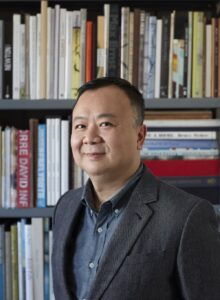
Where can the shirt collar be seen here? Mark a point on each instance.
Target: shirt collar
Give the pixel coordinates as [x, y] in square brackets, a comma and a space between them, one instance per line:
[114, 200]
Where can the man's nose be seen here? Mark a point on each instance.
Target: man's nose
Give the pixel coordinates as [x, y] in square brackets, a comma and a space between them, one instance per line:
[92, 135]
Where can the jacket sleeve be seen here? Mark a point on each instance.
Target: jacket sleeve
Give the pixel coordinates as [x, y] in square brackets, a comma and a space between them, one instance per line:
[198, 257]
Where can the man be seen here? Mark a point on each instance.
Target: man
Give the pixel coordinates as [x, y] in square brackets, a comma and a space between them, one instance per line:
[126, 235]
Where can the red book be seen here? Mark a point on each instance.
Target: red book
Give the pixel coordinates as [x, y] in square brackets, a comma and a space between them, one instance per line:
[23, 169]
[197, 167]
[89, 50]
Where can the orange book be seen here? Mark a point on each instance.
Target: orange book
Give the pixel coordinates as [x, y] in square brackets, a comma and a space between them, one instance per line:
[89, 50]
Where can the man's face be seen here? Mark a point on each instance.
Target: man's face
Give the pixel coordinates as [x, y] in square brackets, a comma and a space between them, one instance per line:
[105, 140]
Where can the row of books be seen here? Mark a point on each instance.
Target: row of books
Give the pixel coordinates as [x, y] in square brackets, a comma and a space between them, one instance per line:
[183, 151]
[25, 264]
[34, 163]
[167, 54]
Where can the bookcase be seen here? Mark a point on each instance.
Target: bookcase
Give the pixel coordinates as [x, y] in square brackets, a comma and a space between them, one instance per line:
[18, 112]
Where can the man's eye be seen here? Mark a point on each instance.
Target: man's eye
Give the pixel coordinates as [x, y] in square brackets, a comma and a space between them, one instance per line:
[79, 126]
[105, 124]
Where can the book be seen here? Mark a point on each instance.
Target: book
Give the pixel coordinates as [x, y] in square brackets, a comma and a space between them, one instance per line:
[191, 167]
[14, 261]
[16, 55]
[124, 61]
[2, 262]
[158, 58]
[8, 262]
[178, 114]
[83, 19]
[43, 49]
[8, 60]
[136, 35]
[76, 35]
[194, 135]
[23, 169]
[206, 123]
[64, 156]
[100, 46]
[28, 262]
[41, 166]
[37, 257]
[1, 56]
[113, 44]
[179, 143]
[89, 51]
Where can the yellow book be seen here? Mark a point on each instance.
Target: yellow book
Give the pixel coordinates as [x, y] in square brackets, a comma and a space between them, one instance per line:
[75, 61]
[198, 54]
[14, 261]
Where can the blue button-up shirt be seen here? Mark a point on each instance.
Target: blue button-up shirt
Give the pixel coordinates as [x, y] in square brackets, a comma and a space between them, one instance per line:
[94, 232]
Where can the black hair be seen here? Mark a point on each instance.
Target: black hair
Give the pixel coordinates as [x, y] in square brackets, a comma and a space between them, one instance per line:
[135, 97]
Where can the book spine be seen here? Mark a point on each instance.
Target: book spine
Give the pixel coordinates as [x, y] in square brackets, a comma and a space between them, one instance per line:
[168, 144]
[113, 50]
[41, 174]
[8, 61]
[23, 169]
[181, 135]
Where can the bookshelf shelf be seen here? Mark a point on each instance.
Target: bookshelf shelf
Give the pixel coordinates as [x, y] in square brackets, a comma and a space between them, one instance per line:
[180, 103]
[26, 212]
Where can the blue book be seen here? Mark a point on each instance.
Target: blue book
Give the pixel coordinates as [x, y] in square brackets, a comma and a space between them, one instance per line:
[192, 144]
[41, 167]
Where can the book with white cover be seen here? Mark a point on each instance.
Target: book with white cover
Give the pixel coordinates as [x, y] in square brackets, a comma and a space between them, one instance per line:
[125, 16]
[62, 53]
[183, 123]
[65, 146]
[57, 159]
[37, 257]
[28, 262]
[56, 51]
[33, 56]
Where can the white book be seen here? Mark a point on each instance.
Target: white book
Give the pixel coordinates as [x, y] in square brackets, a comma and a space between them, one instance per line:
[106, 36]
[13, 167]
[125, 15]
[181, 152]
[183, 123]
[16, 56]
[188, 135]
[158, 58]
[38, 46]
[62, 54]
[28, 262]
[56, 51]
[65, 146]
[50, 51]
[37, 257]
[43, 50]
[83, 19]
[33, 56]
[49, 160]
[57, 159]
[208, 60]
[21, 259]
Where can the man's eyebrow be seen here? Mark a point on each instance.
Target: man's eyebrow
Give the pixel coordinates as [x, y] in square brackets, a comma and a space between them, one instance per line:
[104, 115]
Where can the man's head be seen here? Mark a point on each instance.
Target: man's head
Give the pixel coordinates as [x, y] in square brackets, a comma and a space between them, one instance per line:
[135, 97]
[108, 130]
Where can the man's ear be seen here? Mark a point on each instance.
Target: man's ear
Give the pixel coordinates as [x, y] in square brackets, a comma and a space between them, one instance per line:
[142, 131]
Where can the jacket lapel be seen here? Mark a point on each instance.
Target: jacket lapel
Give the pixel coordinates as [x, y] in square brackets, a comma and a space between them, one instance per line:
[134, 219]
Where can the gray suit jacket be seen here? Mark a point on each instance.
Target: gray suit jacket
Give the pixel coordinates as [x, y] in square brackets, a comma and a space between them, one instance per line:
[166, 247]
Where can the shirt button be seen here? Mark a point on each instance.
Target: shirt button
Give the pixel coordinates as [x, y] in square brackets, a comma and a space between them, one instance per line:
[100, 229]
[91, 265]
[116, 211]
